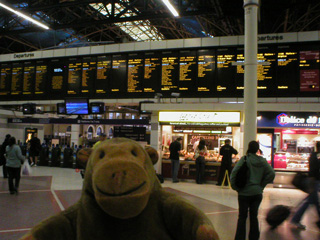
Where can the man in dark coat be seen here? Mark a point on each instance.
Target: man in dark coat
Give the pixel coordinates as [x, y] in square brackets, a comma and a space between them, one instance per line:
[175, 148]
[2, 157]
[226, 152]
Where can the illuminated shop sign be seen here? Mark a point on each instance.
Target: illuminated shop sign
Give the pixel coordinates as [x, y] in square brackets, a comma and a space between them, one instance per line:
[287, 120]
[200, 118]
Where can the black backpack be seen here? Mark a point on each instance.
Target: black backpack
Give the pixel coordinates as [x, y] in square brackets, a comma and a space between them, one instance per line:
[242, 175]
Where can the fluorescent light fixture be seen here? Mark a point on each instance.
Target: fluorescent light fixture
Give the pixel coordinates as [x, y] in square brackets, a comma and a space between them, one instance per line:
[171, 8]
[24, 16]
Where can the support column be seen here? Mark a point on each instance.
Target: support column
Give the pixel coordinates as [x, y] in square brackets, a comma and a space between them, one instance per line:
[75, 129]
[155, 138]
[250, 71]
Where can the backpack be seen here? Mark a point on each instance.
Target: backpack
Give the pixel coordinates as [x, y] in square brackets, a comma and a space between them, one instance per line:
[277, 214]
[242, 174]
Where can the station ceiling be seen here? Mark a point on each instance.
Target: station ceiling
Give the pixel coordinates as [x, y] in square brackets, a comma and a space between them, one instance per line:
[76, 23]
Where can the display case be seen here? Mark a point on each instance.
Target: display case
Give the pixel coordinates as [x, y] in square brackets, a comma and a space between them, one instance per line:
[291, 161]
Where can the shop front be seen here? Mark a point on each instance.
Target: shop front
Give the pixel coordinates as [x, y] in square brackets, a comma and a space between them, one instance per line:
[213, 127]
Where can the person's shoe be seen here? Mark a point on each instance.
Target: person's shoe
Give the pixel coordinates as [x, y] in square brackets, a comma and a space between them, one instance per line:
[298, 225]
[12, 192]
[218, 184]
[32, 164]
[175, 181]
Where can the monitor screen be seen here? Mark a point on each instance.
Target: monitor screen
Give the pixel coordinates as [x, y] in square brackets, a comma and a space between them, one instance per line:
[77, 106]
[61, 108]
[97, 108]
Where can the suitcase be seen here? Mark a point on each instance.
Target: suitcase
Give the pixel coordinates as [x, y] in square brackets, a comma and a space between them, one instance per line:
[277, 215]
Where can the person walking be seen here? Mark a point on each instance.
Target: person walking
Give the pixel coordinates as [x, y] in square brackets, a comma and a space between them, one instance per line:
[226, 152]
[312, 198]
[175, 148]
[200, 153]
[34, 151]
[14, 161]
[250, 196]
[2, 156]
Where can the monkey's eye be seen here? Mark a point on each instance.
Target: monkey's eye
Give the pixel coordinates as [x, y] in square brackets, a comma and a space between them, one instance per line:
[101, 155]
[134, 153]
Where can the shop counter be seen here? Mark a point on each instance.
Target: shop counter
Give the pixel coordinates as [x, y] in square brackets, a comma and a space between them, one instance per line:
[187, 170]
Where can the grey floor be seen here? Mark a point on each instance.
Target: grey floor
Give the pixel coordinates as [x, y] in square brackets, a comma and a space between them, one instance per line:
[50, 190]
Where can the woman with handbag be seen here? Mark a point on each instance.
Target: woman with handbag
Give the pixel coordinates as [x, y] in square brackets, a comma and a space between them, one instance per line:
[200, 153]
[14, 161]
[260, 173]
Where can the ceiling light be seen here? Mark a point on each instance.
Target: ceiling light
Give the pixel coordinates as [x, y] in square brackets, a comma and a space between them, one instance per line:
[24, 16]
[171, 8]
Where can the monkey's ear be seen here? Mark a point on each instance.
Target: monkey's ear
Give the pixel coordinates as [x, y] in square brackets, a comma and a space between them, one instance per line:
[83, 156]
[153, 154]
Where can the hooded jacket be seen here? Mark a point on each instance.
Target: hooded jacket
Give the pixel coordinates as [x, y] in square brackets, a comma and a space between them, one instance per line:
[261, 173]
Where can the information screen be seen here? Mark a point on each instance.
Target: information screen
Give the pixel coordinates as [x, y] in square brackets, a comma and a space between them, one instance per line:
[118, 81]
[239, 78]
[29, 74]
[89, 70]
[57, 75]
[5, 81]
[287, 76]
[103, 74]
[135, 73]
[169, 72]
[188, 72]
[152, 72]
[309, 69]
[206, 72]
[17, 78]
[74, 76]
[226, 71]
[41, 78]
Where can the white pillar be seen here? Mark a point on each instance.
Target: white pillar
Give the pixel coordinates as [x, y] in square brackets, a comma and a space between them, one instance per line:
[75, 129]
[250, 73]
[155, 139]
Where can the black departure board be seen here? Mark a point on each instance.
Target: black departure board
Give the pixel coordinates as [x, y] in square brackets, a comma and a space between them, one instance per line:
[287, 73]
[309, 69]
[17, 78]
[239, 77]
[41, 78]
[169, 71]
[74, 76]
[5, 81]
[58, 70]
[118, 80]
[135, 73]
[206, 72]
[28, 78]
[89, 71]
[226, 71]
[103, 74]
[152, 72]
[188, 72]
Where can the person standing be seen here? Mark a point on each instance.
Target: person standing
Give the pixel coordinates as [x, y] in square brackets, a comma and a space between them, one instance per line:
[200, 153]
[226, 152]
[175, 148]
[102, 137]
[34, 151]
[2, 156]
[250, 196]
[312, 198]
[14, 161]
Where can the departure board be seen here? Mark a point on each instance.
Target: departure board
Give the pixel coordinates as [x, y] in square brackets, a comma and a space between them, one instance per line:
[89, 70]
[226, 71]
[41, 77]
[118, 81]
[187, 71]
[206, 72]
[239, 78]
[5, 81]
[28, 78]
[135, 73]
[58, 69]
[17, 78]
[169, 71]
[74, 76]
[309, 69]
[152, 72]
[103, 74]
[287, 73]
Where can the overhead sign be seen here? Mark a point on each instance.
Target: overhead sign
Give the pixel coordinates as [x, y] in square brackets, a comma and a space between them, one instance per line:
[289, 120]
[200, 118]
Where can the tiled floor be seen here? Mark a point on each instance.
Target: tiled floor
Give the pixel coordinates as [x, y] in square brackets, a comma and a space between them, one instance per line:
[51, 190]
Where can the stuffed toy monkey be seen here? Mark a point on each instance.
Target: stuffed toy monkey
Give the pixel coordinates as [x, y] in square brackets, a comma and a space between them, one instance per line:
[122, 199]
